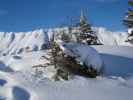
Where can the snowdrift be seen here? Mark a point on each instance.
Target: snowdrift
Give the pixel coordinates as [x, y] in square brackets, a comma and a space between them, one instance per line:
[83, 53]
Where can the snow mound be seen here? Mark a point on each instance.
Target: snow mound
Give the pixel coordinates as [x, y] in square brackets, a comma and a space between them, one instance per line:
[85, 54]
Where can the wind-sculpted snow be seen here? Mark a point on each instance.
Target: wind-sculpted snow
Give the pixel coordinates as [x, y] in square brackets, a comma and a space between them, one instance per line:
[12, 43]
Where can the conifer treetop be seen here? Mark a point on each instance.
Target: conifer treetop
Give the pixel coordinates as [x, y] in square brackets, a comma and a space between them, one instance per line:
[82, 17]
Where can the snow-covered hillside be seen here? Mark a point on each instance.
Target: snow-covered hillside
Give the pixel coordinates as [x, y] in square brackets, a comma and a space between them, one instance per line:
[112, 38]
[17, 81]
[12, 43]
[19, 52]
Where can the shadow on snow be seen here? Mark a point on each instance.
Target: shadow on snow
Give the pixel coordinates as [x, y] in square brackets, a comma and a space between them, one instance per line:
[117, 65]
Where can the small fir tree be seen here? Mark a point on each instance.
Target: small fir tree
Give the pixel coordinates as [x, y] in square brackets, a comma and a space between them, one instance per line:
[54, 54]
[86, 33]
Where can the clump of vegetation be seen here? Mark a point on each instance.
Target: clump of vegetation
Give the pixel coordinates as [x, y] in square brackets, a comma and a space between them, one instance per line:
[71, 65]
[64, 66]
[53, 61]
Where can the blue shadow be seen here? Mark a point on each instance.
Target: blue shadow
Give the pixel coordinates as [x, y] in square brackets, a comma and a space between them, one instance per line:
[20, 94]
[117, 65]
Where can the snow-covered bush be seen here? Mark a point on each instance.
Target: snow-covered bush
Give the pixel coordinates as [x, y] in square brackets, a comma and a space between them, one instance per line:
[68, 59]
[70, 65]
[52, 69]
[85, 55]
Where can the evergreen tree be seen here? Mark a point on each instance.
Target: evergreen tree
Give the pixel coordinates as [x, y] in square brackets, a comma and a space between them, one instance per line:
[128, 21]
[71, 65]
[86, 33]
[63, 66]
[54, 53]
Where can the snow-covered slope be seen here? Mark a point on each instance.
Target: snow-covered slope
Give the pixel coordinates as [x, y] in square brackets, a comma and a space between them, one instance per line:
[112, 38]
[118, 60]
[20, 51]
[115, 84]
[12, 43]
[18, 81]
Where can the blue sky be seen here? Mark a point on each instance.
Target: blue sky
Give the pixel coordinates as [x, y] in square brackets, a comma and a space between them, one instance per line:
[26, 15]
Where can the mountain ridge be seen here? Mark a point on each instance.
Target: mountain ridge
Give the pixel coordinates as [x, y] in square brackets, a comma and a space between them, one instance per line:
[18, 42]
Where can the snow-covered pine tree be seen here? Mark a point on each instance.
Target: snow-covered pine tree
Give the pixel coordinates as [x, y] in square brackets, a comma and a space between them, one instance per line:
[128, 21]
[52, 64]
[70, 65]
[86, 34]
[61, 66]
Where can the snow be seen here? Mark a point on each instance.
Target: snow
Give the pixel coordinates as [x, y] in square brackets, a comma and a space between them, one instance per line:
[77, 89]
[113, 85]
[84, 54]
[118, 60]
[19, 42]
[13, 43]
[130, 30]
[18, 82]
[112, 38]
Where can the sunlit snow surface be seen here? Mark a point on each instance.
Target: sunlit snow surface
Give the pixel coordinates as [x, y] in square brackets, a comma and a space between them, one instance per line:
[115, 84]
[18, 42]
[17, 81]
